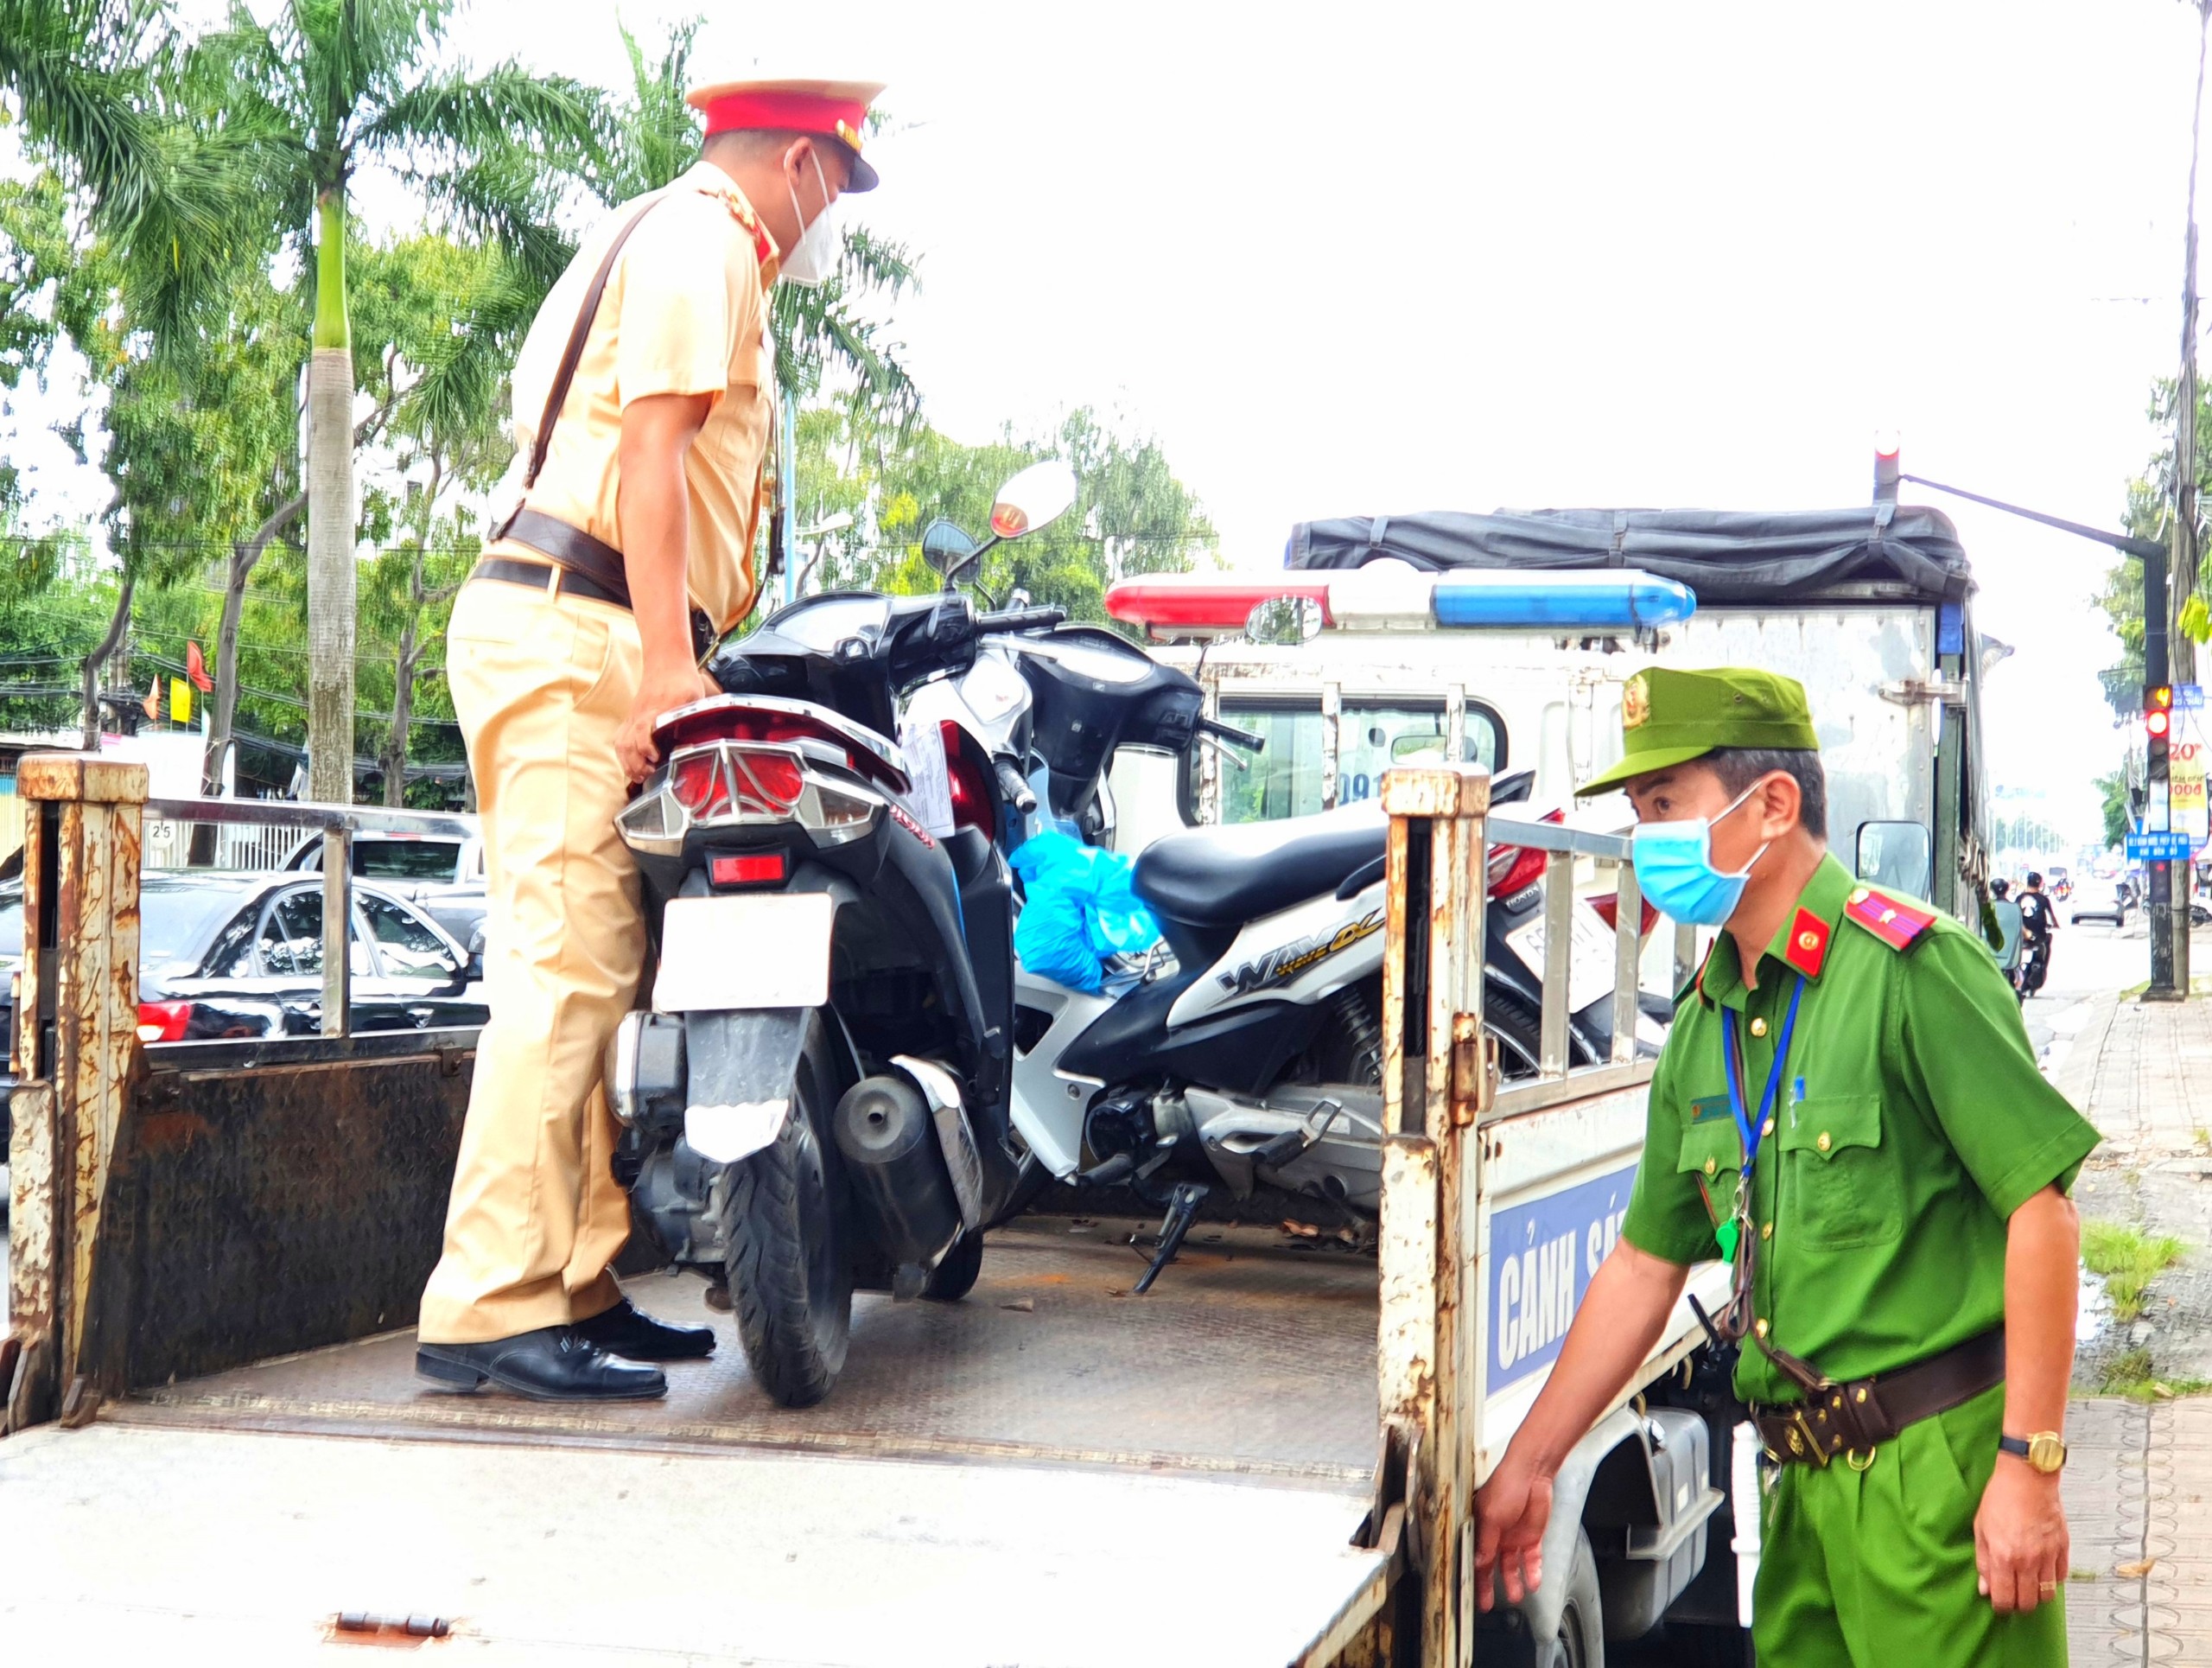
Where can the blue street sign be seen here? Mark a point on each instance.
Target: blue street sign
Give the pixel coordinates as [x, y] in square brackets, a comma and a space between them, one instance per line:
[2189, 698]
[2161, 848]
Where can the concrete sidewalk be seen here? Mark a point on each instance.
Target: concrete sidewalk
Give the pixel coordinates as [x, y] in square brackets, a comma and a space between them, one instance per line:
[2139, 1478]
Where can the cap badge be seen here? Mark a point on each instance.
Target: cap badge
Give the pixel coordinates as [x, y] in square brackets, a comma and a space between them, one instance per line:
[1635, 701]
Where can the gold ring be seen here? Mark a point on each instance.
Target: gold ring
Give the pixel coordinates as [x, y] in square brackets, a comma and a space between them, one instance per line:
[2050, 1587]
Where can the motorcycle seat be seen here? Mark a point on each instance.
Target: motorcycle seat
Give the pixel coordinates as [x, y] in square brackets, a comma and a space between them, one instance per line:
[1226, 876]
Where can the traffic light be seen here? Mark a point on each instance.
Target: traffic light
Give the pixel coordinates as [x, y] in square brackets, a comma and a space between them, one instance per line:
[1886, 446]
[2157, 710]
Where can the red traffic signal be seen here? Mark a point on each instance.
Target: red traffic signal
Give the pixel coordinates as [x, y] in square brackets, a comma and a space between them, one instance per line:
[2157, 710]
[1887, 448]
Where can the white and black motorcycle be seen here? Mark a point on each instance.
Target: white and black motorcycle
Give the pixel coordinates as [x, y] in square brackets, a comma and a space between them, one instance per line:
[1246, 1049]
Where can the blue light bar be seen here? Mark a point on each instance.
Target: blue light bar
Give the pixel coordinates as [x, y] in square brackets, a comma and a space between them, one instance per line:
[1615, 599]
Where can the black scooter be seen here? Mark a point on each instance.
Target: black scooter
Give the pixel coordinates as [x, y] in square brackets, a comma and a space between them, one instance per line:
[817, 1098]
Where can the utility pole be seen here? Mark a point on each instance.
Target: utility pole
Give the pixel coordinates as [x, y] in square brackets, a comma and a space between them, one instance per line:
[2182, 666]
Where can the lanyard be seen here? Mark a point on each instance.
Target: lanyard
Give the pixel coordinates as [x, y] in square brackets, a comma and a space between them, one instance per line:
[1732, 1060]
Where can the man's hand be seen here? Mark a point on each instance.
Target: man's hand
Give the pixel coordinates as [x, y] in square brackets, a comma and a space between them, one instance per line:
[1511, 1511]
[677, 686]
[2020, 1544]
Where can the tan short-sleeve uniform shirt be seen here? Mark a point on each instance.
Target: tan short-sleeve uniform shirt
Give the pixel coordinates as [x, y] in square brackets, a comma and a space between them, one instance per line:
[685, 312]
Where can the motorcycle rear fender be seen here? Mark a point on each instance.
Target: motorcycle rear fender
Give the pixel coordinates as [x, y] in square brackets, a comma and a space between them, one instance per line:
[740, 1068]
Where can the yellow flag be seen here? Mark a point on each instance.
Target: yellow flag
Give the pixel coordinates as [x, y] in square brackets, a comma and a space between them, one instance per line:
[179, 701]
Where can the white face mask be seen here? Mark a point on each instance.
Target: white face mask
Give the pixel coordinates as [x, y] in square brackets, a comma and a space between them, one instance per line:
[810, 262]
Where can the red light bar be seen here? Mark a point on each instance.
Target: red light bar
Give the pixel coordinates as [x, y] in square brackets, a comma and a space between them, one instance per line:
[1207, 601]
[757, 870]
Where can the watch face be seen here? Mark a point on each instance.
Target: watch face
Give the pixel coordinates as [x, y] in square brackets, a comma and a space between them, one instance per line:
[2045, 1452]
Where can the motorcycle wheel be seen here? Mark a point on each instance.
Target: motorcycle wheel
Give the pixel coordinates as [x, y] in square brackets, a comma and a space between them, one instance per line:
[953, 1276]
[790, 1280]
[1519, 1029]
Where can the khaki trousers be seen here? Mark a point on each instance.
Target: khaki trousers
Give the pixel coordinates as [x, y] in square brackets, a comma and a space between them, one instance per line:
[541, 683]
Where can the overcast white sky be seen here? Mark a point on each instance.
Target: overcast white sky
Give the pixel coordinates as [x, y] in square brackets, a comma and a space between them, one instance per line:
[1396, 257]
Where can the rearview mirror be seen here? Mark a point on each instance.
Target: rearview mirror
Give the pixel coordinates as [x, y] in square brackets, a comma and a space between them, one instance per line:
[1040, 493]
[946, 547]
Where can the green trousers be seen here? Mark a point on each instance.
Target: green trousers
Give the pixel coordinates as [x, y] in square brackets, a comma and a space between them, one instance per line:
[1875, 1569]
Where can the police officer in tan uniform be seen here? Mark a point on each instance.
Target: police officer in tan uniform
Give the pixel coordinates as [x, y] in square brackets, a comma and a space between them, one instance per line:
[645, 396]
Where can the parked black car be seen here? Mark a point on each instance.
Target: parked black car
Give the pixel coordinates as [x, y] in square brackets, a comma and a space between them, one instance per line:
[440, 875]
[229, 955]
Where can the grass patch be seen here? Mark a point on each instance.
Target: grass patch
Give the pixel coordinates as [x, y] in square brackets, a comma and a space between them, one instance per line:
[2128, 1261]
[2130, 1374]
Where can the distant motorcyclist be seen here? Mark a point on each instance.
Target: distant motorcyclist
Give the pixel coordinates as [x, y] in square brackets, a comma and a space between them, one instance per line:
[2006, 912]
[2039, 920]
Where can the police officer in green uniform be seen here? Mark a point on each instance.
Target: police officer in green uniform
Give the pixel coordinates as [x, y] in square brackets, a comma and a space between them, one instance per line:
[1847, 1109]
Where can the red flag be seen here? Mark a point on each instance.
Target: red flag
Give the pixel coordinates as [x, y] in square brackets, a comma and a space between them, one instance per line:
[153, 701]
[196, 669]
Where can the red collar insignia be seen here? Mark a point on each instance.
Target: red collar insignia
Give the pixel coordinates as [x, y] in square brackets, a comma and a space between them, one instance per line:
[1808, 944]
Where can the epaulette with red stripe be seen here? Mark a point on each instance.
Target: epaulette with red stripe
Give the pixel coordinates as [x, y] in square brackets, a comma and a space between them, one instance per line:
[1891, 919]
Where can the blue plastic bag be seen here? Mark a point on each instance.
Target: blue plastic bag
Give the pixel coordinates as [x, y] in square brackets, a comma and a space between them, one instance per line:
[1078, 909]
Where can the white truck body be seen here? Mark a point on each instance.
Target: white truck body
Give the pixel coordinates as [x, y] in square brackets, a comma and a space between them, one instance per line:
[1050, 1472]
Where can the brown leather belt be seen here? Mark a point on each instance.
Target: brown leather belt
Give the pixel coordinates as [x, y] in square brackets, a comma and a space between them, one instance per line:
[588, 567]
[1858, 1416]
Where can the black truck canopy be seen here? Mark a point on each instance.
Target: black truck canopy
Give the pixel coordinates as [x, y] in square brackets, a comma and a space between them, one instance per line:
[1886, 550]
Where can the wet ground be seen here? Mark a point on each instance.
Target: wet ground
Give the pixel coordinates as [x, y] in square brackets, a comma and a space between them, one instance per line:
[2139, 1071]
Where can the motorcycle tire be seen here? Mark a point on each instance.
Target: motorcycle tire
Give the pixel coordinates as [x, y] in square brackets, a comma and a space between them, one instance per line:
[953, 1276]
[1519, 1029]
[791, 1274]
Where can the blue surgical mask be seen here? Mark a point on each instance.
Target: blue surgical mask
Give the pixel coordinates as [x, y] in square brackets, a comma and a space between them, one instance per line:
[1674, 868]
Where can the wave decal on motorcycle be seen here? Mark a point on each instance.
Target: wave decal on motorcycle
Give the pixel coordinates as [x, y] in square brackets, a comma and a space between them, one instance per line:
[1278, 966]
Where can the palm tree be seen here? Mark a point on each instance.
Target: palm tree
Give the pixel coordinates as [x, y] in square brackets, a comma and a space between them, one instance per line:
[333, 86]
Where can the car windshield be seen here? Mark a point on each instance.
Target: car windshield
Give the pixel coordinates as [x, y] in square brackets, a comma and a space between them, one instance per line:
[174, 913]
[177, 912]
[407, 860]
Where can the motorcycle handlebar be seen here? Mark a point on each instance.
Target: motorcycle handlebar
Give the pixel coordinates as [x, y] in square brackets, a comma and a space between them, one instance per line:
[1012, 620]
[1244, 738]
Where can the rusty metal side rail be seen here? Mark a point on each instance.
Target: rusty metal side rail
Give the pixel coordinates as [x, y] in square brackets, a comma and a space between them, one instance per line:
[339, 823]
[132, 1169]
[1441, 1093]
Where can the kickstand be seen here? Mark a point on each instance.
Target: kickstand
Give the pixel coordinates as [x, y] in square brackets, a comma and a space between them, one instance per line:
[1182, 1209]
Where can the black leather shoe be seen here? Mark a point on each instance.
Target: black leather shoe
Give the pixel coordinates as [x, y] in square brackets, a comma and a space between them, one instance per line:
[627, 1330]
[549, 1365]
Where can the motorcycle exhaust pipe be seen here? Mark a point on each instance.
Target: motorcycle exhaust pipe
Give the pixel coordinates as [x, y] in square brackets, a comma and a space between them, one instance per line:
[889, 1141]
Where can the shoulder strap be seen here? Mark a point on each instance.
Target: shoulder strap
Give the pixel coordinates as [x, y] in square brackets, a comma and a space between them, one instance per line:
[557, 396]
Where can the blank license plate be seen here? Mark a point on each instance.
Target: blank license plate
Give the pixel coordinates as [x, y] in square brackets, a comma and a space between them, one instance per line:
[771, 950]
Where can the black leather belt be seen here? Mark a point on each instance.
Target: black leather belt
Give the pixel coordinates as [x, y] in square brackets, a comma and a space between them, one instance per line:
[588, 567]
[536, 574]
[1858, 1416]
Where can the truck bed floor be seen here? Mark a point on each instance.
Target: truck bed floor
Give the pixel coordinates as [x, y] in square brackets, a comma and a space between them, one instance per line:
[1242, 1360]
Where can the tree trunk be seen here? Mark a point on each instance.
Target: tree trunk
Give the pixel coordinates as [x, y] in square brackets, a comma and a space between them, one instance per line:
[223, 706]
[97, 658]
[403, 707]
[330, 520]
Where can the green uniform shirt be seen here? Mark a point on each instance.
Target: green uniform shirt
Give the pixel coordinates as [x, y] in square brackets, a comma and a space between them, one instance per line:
[1910, 1122]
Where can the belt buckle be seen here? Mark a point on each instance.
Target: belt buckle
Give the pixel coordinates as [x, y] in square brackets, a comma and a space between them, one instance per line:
[1804, 1444]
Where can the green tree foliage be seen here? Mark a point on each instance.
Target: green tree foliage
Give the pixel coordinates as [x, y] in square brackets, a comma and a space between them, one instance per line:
[2120, 820]
[1131, 514]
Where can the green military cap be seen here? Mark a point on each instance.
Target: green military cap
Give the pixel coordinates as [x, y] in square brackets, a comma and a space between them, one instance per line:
[1670, 717]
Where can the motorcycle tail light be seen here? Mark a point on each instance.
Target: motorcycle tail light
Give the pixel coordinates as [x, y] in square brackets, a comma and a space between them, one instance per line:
[1608, 908]
[971, 797]
[696, 780]
[767, 781]
[1513, 867]
[164, 1021]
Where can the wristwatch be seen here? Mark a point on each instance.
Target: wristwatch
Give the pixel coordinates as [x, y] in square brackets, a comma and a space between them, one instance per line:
[2043, 1449]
